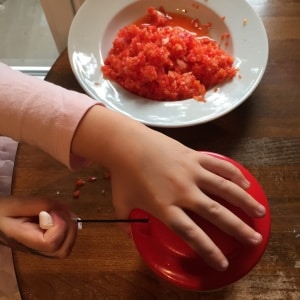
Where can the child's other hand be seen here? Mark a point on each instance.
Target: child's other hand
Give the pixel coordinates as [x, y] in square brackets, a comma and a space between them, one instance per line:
[20, 230]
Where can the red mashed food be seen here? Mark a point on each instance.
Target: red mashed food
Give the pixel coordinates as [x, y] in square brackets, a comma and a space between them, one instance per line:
[162, 62]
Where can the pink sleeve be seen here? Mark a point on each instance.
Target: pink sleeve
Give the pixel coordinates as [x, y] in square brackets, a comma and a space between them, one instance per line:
[41, 114]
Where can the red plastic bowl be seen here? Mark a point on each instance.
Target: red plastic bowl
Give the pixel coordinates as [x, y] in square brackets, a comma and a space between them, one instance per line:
[172, 259]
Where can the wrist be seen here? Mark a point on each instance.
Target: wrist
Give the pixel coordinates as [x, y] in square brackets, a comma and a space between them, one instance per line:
[103, 136]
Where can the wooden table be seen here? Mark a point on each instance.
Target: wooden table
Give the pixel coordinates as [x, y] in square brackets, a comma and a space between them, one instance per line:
[263, 134]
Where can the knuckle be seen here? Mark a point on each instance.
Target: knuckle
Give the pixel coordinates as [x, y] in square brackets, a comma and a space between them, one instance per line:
[186, 231]
[223, 184]
[214, 209]
[52, 244]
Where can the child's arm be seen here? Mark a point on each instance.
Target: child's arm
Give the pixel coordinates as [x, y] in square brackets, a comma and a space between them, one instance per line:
[158, 174]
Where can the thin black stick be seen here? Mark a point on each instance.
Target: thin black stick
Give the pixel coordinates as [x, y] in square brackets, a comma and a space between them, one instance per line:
[112, 220]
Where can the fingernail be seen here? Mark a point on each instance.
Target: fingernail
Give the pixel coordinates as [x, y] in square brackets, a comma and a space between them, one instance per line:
[261, 210]
[246, 184]
[224, 265]
[45, 220]
[257, 238]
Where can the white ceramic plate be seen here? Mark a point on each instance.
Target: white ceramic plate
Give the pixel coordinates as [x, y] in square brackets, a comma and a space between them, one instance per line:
[97, 23]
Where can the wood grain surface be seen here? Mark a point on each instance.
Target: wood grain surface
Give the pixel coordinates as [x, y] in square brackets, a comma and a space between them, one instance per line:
[263, 134]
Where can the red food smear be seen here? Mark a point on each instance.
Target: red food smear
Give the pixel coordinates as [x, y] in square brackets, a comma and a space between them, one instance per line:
[76, 194]
[80, 182]
[163, 62]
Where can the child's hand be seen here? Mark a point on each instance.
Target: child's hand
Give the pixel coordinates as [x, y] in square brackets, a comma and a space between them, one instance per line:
[169, 178]
[20, 230]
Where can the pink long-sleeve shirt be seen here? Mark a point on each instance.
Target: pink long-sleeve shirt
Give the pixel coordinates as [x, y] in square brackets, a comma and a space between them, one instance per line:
[41, 114]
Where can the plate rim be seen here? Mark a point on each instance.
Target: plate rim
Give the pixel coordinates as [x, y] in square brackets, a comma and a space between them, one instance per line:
[163, 123]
